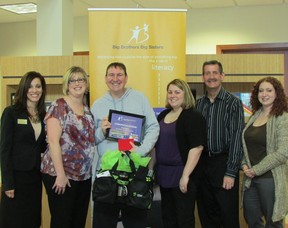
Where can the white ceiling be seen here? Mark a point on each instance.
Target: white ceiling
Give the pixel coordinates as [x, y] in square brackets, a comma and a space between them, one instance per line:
[81, 6]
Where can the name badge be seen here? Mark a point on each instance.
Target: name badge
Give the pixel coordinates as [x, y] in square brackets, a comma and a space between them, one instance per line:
[21, 121]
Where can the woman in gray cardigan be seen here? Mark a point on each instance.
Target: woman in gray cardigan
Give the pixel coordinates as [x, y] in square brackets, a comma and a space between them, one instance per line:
[265, 144]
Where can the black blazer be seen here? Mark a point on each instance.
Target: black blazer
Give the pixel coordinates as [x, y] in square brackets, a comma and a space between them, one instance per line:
[19, 150]
[190, 130]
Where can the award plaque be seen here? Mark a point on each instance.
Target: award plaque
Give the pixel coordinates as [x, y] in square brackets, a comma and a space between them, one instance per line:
[125, 125]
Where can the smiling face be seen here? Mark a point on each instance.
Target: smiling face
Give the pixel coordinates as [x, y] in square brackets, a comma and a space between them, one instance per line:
[34, 92]
[175, 96]
[116, 80]
[212, 77]
[77, 85]
[266, 94]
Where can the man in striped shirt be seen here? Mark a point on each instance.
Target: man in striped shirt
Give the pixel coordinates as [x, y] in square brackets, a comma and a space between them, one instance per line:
[218, 202]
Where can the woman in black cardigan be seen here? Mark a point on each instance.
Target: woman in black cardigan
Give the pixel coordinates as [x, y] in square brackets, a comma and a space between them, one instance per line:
[178, 150]
[22, 142]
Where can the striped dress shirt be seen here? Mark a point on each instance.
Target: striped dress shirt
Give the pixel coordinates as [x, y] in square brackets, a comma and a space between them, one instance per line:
[225, 123]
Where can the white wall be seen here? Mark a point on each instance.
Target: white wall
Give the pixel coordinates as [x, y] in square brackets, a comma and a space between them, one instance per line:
[205, 29]
[18, 39]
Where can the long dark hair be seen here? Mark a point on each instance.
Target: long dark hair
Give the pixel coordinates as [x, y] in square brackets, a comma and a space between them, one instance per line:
[20, 100]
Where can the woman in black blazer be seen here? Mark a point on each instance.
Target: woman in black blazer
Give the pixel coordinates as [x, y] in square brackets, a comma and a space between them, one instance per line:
[22, 142]
[181, 141]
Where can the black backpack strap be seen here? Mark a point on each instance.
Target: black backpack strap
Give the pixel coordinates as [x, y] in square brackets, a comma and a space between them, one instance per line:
[131, 163]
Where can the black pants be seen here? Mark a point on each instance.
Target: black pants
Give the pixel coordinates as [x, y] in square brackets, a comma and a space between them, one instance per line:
[106, 216]
[217, 207]
[24, 210]
[70, 209]
[178, 208]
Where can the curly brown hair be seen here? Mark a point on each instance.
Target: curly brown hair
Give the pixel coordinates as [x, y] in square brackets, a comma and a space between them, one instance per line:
[280, 104]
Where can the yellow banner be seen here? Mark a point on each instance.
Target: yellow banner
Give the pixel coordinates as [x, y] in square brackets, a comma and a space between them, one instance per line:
[151, 43]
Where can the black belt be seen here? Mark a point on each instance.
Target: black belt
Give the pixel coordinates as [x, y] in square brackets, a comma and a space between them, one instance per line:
[214, 154]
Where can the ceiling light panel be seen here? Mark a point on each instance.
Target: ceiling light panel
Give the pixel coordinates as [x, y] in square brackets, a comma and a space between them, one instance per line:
[21, 8]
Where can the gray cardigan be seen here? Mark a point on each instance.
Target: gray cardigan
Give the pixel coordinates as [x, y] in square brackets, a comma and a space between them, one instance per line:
[276, 161]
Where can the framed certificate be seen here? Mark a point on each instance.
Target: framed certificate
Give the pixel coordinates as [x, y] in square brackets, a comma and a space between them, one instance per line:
[125, 125]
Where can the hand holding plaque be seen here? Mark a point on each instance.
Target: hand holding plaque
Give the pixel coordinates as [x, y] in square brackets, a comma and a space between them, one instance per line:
[125, 125]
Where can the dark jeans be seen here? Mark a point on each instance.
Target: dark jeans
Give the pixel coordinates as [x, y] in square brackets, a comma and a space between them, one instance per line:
[68, 210]
[258, 202]
[217, 207]
[107, 215]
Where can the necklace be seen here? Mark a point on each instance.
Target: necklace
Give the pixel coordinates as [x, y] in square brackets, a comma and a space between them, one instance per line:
[34, 119]
[33, 114]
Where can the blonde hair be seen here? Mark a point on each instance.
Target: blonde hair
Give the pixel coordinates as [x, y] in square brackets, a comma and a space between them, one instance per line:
[189, 101]
[68, 75]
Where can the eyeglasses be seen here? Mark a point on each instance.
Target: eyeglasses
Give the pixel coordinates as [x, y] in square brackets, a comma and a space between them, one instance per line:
[79, 80]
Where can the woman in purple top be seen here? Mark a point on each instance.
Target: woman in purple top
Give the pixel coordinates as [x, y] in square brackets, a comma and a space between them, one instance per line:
[180, 144]
[67, 162]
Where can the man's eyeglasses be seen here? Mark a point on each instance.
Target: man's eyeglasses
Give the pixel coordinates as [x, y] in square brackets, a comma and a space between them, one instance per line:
[79, 80]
